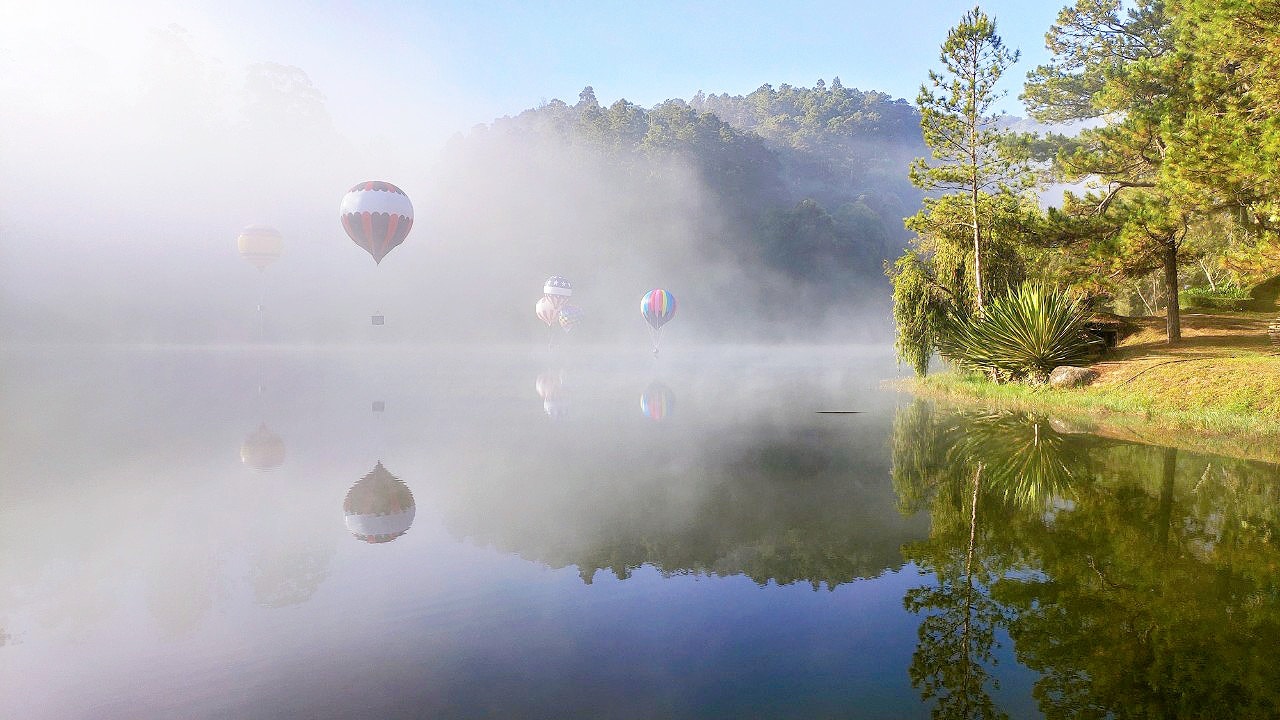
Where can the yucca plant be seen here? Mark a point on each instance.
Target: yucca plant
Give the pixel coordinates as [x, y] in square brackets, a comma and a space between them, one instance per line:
[1025, 333]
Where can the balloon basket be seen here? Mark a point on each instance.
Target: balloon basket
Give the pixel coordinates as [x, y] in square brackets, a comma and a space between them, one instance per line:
[378, 320]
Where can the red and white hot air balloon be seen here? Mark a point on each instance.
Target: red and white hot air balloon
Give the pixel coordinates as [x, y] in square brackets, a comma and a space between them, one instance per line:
[377, 216]
[546, 311]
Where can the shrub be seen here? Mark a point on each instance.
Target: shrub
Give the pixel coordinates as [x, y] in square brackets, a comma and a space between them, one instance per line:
[1226, 297]
[1025, 333]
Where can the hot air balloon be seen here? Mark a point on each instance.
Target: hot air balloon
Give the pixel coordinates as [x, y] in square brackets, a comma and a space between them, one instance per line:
[569, 317]
[658, 307]
[379, 508]
[377, 216]
[547, 311]
[558, 290]
[260, 245]
[656, 401]
[263, 450]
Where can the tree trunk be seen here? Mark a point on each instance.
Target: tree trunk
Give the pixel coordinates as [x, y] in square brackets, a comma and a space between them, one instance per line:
[1173, 316]
[977, 257]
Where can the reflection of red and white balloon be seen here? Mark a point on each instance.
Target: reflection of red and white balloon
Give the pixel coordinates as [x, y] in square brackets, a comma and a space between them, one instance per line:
[656, 402]
[547, 311]
[262, 450]
[379, 508]
[377, 216]
[260, 245]
[548, 384]
[550, 387]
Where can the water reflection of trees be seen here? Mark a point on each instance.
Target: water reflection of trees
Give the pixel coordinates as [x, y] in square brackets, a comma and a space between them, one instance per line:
[1138, 581]
[776, 506]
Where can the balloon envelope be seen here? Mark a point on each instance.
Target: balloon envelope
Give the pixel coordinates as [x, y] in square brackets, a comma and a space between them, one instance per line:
[377, 216]
[547, 311]
[657, 306]
[379, 508]
[558, 286]
[570, 315]
[260, 245]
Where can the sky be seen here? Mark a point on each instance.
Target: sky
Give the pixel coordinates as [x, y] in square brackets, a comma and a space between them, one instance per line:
[419, 72]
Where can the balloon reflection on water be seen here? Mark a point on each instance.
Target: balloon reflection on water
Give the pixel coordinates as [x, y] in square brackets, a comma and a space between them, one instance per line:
[263, 450]
[379, 508]
[656, 402]
[550, 387]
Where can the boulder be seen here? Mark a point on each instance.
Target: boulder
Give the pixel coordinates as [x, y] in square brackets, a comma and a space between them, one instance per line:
[1068, 376]
[1069, 427]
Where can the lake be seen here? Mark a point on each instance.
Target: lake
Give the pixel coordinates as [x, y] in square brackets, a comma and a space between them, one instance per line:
[397, 532]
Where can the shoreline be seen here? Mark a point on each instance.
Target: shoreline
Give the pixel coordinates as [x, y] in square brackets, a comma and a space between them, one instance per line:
[1217, 392]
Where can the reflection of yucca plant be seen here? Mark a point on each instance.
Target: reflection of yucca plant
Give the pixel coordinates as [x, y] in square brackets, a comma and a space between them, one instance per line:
[1028, 462]
[1025, 333]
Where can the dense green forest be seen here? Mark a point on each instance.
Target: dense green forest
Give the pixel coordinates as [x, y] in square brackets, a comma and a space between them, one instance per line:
[796, 190]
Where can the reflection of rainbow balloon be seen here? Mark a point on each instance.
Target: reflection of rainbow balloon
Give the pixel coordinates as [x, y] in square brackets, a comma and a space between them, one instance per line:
[262, 450]
[557, 290]
[656, 401]
[260, 245]
[657, 306]
[570, 315]
[379, 508]
[546, 311]
[377, 216]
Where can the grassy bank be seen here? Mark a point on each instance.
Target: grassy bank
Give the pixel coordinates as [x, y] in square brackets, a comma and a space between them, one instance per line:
[1218, 391]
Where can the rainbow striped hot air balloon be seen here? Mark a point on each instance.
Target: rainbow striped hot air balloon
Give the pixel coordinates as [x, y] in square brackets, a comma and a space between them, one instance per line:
[658, 307]
[377, 216]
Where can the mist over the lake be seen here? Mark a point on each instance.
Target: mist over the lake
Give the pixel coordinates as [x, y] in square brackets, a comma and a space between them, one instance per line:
[122, 210]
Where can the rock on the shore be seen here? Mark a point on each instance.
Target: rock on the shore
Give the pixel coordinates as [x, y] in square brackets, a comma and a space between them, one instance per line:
[1068, 376]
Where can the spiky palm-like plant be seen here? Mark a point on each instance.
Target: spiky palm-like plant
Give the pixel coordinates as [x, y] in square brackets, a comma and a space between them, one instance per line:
[1025, 333]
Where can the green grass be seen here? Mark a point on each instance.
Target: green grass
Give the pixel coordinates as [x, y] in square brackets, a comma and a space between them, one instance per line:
[1225, 402]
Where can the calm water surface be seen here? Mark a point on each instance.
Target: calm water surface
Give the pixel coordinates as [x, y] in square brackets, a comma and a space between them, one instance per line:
[262, 533]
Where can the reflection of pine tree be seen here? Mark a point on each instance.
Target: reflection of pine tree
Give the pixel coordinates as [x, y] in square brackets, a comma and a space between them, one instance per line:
[966, 468]
[957, 634]
[1158, 596]
[1153, 593]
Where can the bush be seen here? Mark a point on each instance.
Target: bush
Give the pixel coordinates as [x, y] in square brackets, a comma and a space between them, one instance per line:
[1024, 334]
[1225, 297]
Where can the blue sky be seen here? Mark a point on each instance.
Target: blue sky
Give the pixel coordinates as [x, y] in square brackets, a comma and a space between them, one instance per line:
[432, 69]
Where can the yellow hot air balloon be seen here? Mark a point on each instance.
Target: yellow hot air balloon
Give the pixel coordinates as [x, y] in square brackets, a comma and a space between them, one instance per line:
[260, 245]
